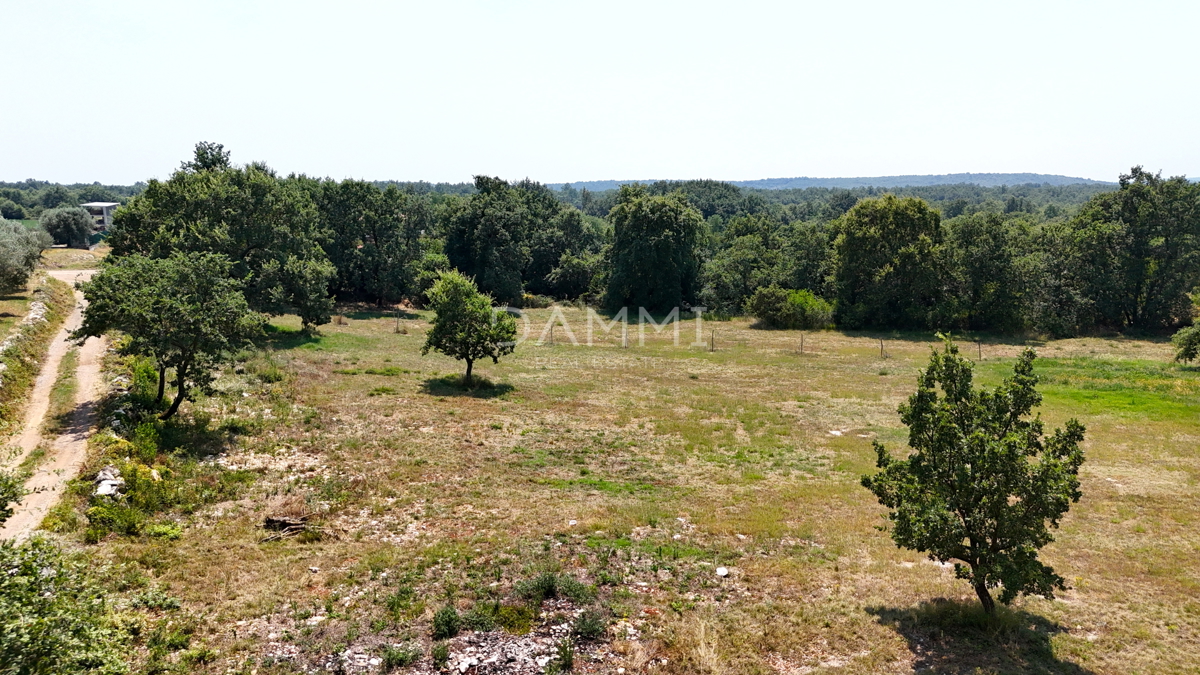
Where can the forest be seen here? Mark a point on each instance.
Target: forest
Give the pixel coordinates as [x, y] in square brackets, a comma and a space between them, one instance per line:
[1055, 260]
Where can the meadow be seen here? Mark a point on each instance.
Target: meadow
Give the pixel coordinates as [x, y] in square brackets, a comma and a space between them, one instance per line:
[641, 470]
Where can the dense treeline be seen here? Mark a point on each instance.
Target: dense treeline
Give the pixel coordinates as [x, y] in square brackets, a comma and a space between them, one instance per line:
[28, 199]
[1053, 259]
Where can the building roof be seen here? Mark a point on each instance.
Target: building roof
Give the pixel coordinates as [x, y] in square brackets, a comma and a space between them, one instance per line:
[101, 204]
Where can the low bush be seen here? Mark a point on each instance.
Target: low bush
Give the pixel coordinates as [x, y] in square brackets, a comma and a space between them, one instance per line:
[776, 307]
[590, 625]
[1187, 344]
[400, 656]
[549, 585]
[446, 623]
[53, 617]
[440, 655]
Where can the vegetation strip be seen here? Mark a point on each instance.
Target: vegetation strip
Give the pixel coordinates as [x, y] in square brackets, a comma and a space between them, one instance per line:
[22, 352]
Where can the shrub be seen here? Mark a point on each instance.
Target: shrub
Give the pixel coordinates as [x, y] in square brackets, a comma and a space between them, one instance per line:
[530, 301]
[482, 618]
[440, 654]
[777, 307]
[446, 623]
[52, 616]
[549, 585]
[515, 619]
[400, 656]
[1187, 344]
[564, 656]
[12, 490]
[155, 598]
[72, 227]
[590, 625]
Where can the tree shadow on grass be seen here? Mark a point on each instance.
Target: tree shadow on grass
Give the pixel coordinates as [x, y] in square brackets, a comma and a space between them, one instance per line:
[956, 637]
[279, 338]
[452, 385]
[364, 313]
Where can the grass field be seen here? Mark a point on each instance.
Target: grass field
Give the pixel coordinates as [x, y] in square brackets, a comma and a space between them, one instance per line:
[60, 258]
[642, 470]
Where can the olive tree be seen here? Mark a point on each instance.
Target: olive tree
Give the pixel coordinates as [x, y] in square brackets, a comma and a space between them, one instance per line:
[982, 486]
[465, 325]
[72, 227]
[20, 251]
[184, 311]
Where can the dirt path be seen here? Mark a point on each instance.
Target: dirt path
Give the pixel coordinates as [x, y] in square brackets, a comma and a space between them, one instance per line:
[69, 449]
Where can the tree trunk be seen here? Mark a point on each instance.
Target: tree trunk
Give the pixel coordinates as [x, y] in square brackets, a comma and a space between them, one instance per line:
[180, 377]
[162, 385]
[985, 597]
[467, 377]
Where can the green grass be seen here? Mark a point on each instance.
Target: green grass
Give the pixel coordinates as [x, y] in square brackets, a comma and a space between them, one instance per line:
[639, 471]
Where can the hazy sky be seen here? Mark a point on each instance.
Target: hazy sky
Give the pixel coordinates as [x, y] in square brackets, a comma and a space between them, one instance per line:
[563, 91]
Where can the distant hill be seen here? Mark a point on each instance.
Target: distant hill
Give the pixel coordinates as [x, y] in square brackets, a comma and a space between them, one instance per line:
[981, 179]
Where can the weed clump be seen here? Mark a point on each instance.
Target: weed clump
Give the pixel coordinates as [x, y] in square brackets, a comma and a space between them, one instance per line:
[440, 655]
[399, 656]
[590, 625]
[446, 623]
[549, 585]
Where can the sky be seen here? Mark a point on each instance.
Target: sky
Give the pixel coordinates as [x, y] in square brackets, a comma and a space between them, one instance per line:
[121, 91]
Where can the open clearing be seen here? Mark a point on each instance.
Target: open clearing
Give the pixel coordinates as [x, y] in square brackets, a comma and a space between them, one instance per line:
[643, 470]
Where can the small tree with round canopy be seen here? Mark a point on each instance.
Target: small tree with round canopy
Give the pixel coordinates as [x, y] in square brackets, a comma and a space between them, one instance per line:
[465, 325]
[982, 486]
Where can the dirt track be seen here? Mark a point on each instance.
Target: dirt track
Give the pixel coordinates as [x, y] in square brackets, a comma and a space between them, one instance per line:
[69, 449]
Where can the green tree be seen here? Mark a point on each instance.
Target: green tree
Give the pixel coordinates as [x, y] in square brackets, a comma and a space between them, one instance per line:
[11, 210]
[889, 269]
[981, 485]
[806, 257]
[268, 227]
[185, 311]
[655, 260]
[734, 272]
[465, 326]
[375, 238]
[57, 196]
[1187, 344]
[1136, 251]
[20, 251]
[989, 278]
[72, 226]
[486, 238]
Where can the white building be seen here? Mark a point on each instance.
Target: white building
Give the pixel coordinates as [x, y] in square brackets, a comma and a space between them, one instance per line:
[102, 213]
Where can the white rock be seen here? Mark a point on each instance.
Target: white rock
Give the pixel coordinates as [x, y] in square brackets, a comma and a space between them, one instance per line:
[572, 523]
[722, 571]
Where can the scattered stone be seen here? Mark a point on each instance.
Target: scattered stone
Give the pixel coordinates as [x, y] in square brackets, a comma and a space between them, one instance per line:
[722, 571]
[109, 482]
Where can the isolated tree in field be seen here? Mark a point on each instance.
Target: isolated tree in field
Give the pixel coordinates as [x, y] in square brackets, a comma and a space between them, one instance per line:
[982, 486]
[72, 227]
[1187, 344]
[20, 251]
[465, 326]
[184, 311]
[655, 252]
